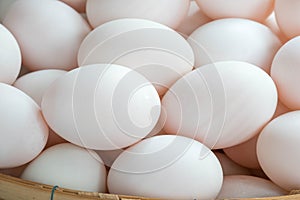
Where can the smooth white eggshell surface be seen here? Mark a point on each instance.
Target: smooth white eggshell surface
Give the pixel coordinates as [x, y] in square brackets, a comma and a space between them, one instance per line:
[285, 72]
[36, 83]
[229, 167]
[241, 186]
[49, 33]
[194, 19]
[257, 10]
[102, 106]
[221, 104]
[23, 130]
[167, 12]
[287, 16]
[278, 150]
[168, 167]
[154, 50]
[69, 166]
[234, 39]
[10, 57]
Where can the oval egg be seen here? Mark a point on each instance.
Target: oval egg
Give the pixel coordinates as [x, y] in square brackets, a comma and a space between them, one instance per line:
[215, 104]
[170, 167]
[102, 106]
[128, 42]
[24, 132]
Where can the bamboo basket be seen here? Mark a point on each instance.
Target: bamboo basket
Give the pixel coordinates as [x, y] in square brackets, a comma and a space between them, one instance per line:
[12, 188]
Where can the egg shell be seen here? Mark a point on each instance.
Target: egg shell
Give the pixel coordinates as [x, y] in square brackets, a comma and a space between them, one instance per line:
[285, 71]
[24, 132]
[129, 42]
[234, 39]
[167, 12]
[215, 104]
[257, 10]
[36, 83]
[278, 150]
[68, 166]
[287, 15]
[102, 106]
[10, 56]
[229, 167]
[194, 19]
[168, 167]
[49, 33]
[241, 186]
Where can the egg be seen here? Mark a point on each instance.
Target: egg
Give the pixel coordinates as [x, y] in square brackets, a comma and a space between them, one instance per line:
[167, 167]
[167, 12]
[23, 130]
[229, 167]
[129, 42]
[241, 186]
[234, 39]
[36, 83]
[102, 106]
[245, 153]
[10, 57]
[278, 150]
[194, 19]
[49, 33]
[257, 10]
[285, 71]
[68, 166]
[287, 15]
[221, 104]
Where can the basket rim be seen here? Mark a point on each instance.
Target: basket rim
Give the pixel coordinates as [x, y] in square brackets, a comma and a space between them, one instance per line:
[16, 188]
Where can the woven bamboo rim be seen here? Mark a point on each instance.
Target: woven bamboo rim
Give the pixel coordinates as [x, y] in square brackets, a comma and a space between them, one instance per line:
[12, 188]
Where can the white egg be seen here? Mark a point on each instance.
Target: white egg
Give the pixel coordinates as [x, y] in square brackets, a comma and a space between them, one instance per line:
[129, 42]
[36, 83]
[278, 150]
[23, 130]
[167, 167]
[221, 104]
[241, 186]
[102, 106]
[68, 166]
[257, 10]
[10, 57]
[167, 12]
[285, 71]
[49, 33]
[287, 15]
[234, 39]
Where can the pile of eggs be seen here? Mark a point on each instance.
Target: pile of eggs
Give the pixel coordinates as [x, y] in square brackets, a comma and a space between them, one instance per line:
[172, 99]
